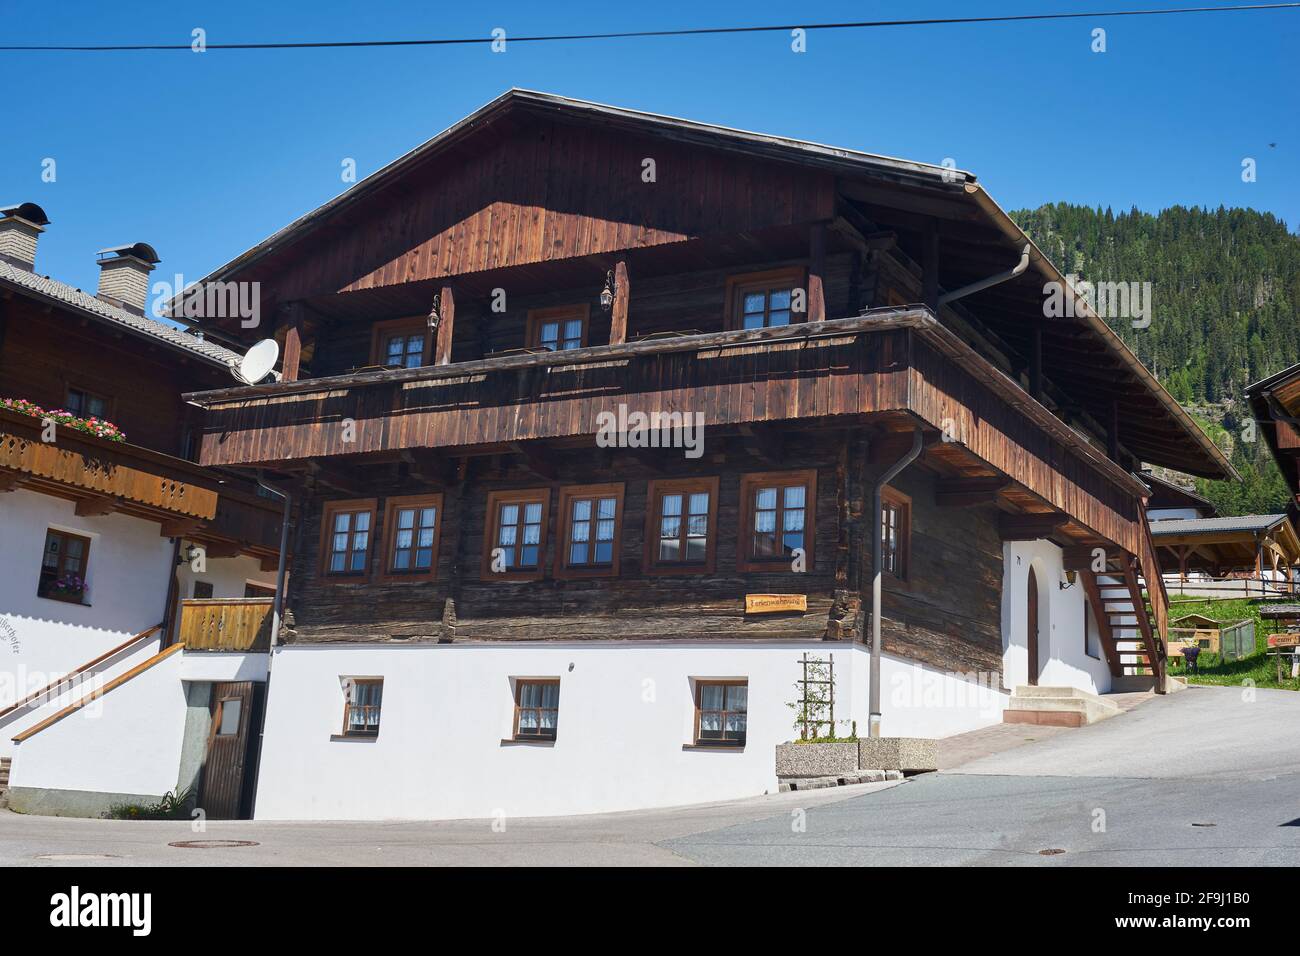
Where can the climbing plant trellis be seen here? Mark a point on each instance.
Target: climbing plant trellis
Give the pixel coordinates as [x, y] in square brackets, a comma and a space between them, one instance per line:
[815, 707]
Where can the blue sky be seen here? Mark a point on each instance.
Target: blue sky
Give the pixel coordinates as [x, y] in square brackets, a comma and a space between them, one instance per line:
[204, 155]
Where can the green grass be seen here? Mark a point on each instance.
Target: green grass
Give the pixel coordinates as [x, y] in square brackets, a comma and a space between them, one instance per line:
[1213, 670]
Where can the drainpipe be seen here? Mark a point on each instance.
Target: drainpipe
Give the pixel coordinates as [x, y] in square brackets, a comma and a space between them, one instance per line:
[983, 284]
[277, 610]
[876, 559]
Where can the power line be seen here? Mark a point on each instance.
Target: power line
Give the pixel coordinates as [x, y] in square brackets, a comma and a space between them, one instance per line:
[634, 34]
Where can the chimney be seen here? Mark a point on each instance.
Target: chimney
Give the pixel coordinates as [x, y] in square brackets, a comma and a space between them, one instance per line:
[20, 227]
[124, 275]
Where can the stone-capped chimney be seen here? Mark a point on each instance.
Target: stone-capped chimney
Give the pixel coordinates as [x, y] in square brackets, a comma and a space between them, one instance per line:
[20, 226]
[124, 275]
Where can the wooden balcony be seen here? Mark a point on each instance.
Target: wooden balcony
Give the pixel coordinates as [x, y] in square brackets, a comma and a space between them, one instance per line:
[898, 364]
[103, 476]
[226, 624]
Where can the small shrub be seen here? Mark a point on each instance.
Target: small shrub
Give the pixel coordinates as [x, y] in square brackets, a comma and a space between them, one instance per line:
[172, 806]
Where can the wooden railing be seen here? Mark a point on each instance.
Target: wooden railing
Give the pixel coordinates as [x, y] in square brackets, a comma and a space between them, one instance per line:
[226, 624]
[56, 686]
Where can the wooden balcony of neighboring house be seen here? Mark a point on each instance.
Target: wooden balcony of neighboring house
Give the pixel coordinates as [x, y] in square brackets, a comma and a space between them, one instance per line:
[103, 477]
[885, 369]
[226, 624]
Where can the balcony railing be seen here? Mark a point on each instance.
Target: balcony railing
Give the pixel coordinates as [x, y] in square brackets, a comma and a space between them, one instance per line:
[226, 624]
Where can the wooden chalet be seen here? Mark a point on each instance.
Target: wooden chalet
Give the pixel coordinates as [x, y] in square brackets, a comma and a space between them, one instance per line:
[1275, 402]
[458, 329]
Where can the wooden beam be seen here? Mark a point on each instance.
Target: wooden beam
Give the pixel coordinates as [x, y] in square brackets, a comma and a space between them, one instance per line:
[222, 549]
[817, 272]
[1112, 432]
[930, 266]
[622, 295]
[335, 478]
[1030, 527]
[1036, 363]
[1099, 614]
[964, 492]
[1080, 557]
[446, 326]
[763, 442]
[292, 343]
[94, 506]
[534, 461]
[179, 527]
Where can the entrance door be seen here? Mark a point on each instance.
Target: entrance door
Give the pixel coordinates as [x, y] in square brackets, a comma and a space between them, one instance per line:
[1031, 627]
[222, 790]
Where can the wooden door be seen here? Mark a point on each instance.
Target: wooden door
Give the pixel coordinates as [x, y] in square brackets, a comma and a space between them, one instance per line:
[1031, 626]
[231, 707]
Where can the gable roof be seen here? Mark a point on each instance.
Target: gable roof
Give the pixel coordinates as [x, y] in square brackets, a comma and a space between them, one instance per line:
[1154, 427]
[52, 291]
[1273, 400]
[1251, 523]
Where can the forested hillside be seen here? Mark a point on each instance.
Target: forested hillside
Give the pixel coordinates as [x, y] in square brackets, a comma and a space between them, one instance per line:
[1225, 312]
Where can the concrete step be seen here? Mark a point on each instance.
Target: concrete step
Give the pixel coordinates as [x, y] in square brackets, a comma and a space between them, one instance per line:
[1132, 683]
[1075, 707]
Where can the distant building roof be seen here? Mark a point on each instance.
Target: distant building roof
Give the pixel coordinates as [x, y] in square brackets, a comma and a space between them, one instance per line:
[1168, 494]
[1216, 525]
[71, 297]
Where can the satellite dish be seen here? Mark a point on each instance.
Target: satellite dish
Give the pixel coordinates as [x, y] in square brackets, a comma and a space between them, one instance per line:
[258, 362]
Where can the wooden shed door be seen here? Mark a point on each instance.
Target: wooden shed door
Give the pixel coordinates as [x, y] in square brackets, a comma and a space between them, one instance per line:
[1031, 628]
[223, 767]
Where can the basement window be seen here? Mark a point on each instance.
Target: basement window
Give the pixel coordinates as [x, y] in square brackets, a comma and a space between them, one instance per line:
[537, 708]
[721, 713]
[363, 698]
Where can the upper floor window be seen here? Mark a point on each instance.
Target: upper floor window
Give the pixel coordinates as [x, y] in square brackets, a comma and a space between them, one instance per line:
[411, 536]
[63, 567]
[591, 516]
[363, 699]
[559, 328]
[537, 708]
[680, 536]
[777, 520]
[895, 532]
[86, 404]
[516, 534]
[346, 528]
[765, 299]
[400, 343]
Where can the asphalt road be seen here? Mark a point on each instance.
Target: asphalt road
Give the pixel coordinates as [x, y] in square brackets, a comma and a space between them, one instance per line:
[1200, 778]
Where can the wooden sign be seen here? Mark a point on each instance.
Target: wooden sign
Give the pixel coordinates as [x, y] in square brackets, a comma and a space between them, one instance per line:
[772, 603]
[1284, 640]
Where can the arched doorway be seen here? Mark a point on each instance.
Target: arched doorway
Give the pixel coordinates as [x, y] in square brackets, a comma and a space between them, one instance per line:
[1031, 626]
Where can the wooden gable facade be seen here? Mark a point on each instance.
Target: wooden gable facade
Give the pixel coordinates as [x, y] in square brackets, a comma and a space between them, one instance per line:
[656, 237]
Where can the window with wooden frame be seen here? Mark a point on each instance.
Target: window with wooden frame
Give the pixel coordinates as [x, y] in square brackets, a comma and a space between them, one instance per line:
[515, 540]
[63, 567]
[363, 698]
[86, 404]
[537, 708]
[403, 343]
[230, 711]
[761, 300]
[202, 590]
[721, 712]
[412, 531]
[560, 328]
[590, 531]
[895, 532]
[681, 525]
[777, 517]
[346, 531]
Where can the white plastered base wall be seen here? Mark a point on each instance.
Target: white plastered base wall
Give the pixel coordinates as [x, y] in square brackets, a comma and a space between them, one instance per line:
[626, 724]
